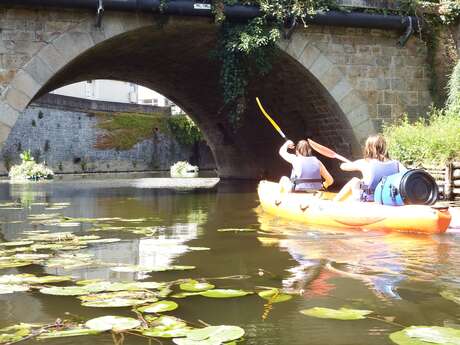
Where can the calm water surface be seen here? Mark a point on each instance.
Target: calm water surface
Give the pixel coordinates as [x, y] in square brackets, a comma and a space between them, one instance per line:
[397, 276]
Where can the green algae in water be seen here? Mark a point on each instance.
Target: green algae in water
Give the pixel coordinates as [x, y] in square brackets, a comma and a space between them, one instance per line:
[338, 314]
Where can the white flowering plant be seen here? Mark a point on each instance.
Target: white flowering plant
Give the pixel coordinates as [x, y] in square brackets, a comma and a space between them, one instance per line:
[29, 169]
[184, 169]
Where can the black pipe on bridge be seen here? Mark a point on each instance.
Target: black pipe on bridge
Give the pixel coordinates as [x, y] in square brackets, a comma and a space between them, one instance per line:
[235, 12]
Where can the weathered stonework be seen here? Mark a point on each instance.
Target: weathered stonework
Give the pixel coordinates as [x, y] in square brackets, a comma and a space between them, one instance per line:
[59, 131]
[336, 85]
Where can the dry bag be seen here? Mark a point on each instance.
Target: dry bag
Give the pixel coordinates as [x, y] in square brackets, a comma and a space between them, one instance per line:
[412, 187]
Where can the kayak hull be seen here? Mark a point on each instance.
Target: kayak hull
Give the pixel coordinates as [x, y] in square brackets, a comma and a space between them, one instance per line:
[318, 209]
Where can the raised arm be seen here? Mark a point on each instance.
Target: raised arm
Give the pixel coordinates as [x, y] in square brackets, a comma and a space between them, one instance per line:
[352, 166]
[288, 157]
[328, 179]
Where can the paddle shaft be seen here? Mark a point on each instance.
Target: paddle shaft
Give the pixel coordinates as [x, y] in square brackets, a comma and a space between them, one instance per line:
[274, 124]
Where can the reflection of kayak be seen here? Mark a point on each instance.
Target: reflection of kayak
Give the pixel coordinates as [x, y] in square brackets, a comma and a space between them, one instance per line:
[317, 209]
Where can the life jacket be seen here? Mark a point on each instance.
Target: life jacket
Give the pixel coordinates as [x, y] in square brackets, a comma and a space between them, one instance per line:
[378, 170]
[306, 174]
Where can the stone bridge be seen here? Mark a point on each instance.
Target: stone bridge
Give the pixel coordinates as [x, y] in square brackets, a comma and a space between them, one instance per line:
[334, 84]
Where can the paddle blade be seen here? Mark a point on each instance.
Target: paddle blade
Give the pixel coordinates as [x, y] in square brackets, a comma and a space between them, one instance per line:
[274, 124]
[325, 151]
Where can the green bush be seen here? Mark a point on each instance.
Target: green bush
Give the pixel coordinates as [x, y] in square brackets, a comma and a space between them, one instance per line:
[184, 129]
[427, 141]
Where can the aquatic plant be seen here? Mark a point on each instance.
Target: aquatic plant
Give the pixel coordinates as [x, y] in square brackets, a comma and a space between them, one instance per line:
[183, 169]
[29, 169]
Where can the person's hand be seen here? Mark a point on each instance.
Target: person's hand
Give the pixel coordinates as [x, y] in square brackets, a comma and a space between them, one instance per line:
[325, 185]
[290, 144]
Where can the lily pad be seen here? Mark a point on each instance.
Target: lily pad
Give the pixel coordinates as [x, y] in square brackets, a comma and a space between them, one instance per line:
[451, 296]
[114, 323]
[11, 288]
[113, 303]
[159, 307]
[16, 243]
[196, 286]
[274, 296]
[236, 230]
[224, 293]
[64, 291]
[211, 335]
[160, 332]
[340, 314]
[426, 335]
[67, 333]
[185, 294]
[14, 263]
[131, 269]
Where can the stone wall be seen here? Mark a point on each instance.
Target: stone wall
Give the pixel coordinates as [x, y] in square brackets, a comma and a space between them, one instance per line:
[65, 139]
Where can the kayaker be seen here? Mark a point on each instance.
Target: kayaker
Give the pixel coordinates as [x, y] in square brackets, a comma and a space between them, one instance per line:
[307, 170]
[375, 165]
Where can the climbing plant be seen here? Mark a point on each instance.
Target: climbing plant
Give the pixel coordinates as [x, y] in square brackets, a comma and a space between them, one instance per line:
[247, 48]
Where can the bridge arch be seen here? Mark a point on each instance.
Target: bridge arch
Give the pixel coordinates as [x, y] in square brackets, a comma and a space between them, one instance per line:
[306, 92]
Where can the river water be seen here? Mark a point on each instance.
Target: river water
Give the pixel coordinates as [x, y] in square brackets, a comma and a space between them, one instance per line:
[397, 276]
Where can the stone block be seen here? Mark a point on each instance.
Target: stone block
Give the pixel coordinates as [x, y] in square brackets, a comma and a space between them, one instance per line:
[4, 132]
[321, 66]
[72, 44]
[38, 70]
[297, 45]
[384, 111]
[16, 99]
[359, 114]
[8, 115]
[363, 130]
[52, 58]
[331, 78]
[309, 55]
[398, 84]
[341, 89]
[24, 82]
[349, 102]
[13, 60]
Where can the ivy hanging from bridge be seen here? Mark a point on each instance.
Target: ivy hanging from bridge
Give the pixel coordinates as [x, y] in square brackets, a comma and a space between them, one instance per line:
[247, 49]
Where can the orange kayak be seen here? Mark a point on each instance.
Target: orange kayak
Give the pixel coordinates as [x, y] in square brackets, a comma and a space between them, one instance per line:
[319, 209]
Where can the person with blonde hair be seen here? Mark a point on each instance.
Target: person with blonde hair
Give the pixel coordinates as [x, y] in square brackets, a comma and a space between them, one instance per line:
[307, 170]
[375, 165]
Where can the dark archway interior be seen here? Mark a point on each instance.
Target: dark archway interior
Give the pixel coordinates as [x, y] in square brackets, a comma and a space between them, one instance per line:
[175, 60]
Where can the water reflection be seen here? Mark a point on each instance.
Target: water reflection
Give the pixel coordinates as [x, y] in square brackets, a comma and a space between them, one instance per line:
[383, 261]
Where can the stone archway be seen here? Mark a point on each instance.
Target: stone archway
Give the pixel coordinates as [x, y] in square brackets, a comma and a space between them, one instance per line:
[313, 95]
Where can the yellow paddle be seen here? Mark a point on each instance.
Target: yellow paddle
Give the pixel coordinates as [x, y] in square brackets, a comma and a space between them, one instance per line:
[278, 129]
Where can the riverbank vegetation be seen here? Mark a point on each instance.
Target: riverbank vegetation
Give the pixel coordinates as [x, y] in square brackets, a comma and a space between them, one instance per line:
[124, 130]
[431, 140]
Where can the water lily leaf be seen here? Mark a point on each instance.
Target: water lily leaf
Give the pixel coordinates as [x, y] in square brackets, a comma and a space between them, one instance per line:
[159, 307]
[102, 240]
[186, 341]
[64, 291]
[114, 323]
[340, 314]
[16, 243]
[194, 286]
[11, 288]
[166, 333]
[146, 296]
[236, 230]
[451, 296]
[185, 294]
[168, 321]
[274, 296]
[224, 293]
[88, 281]
[113, 303]
[31, 256]
[199, 248]
[426, 335]
[218, 333]
[131, 269]
[15, 333]
[67, 333]
[17, 263]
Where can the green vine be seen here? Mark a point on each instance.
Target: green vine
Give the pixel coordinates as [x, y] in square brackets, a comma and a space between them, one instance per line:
[247, 49]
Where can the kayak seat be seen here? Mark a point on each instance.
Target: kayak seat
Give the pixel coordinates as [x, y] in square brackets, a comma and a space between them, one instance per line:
[297, 181]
